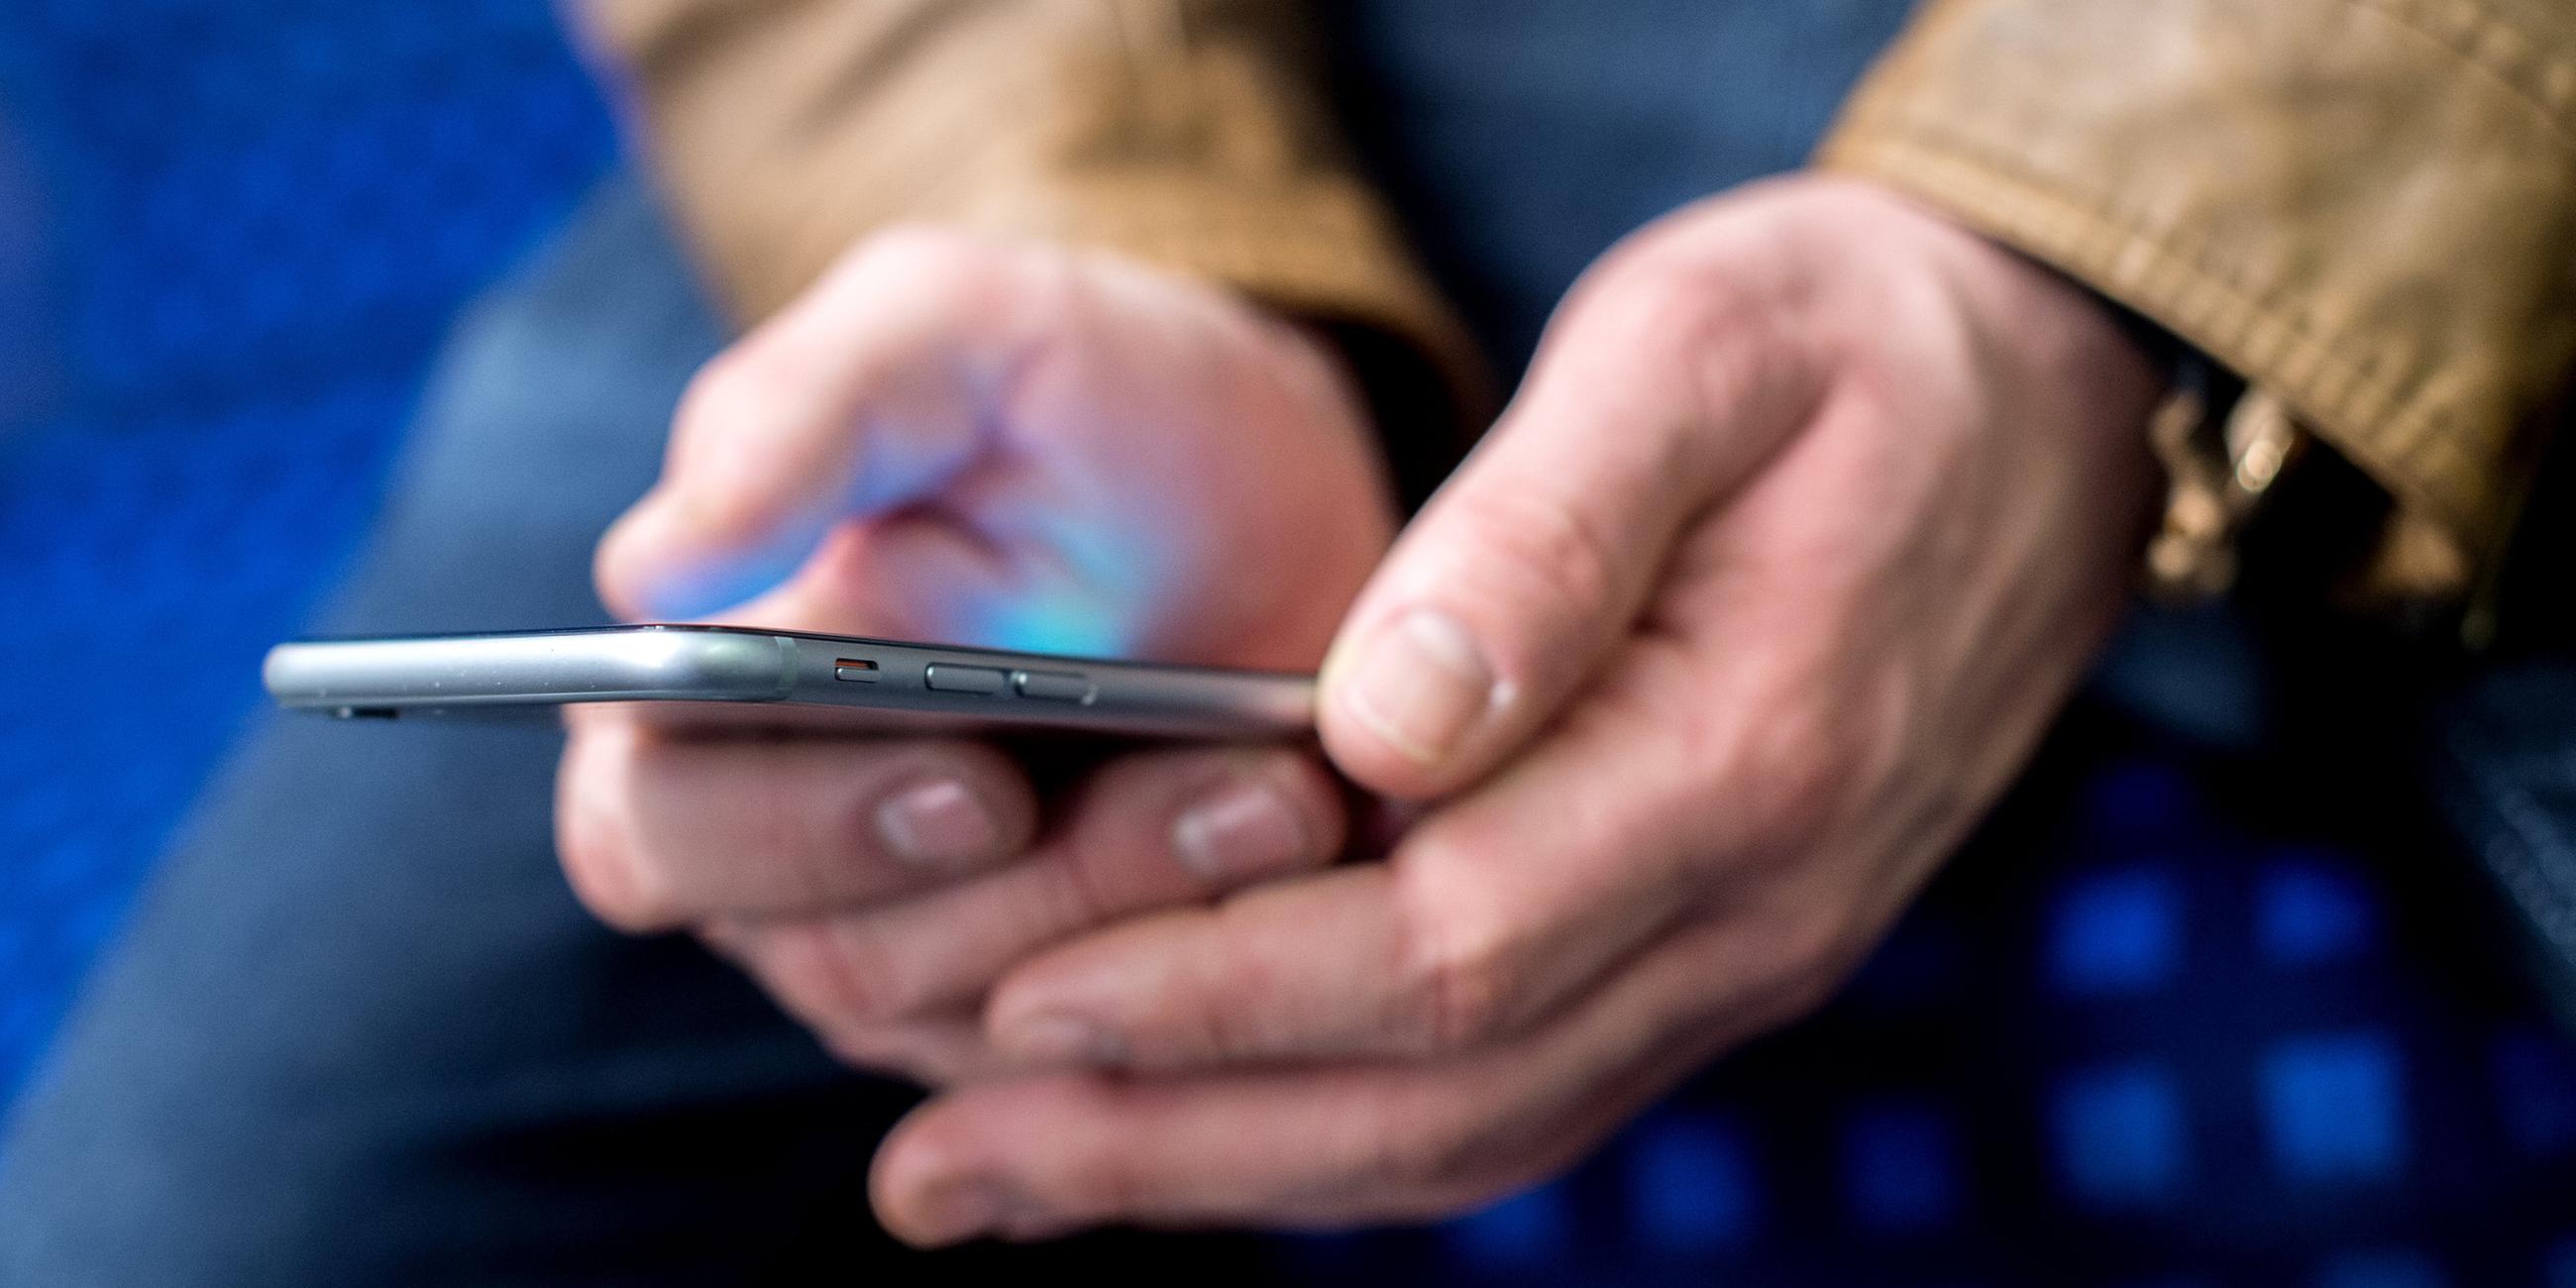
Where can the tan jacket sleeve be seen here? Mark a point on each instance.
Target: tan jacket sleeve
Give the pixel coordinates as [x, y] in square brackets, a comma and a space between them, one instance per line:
[1188, 133]
[2365, 207]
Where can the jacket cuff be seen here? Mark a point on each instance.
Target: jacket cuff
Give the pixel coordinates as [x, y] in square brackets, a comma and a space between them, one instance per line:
[2361, 206]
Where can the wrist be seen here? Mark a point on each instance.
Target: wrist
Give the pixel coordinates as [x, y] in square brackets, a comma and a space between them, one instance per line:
[2221, 449]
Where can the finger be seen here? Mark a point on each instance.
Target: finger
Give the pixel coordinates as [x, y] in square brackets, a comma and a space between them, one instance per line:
[935, 1050]
[926, 574]
[658, 831]
[1488, 916]
[932, 1051]
[861, 396]
[1150, 830]
[1654, 393]
[1358, 1142]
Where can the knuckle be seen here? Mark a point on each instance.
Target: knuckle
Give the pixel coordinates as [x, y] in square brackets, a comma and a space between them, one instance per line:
[1235, 1031]
[1540, 551]
[720, 384]
[932, 268]
[1243, 1012]
[1462, 988]
[1796, 772]
[1078, 893]
[1808, 773]
[716, 400]
[828, 979]
[914, 249]
[1666, 306]
[1704, 329]
[710, 442]
[1459, 966]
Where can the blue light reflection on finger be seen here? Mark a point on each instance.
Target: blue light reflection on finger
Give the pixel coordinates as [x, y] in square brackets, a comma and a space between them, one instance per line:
[706, 588]
[1069, 620]
[1081, 587]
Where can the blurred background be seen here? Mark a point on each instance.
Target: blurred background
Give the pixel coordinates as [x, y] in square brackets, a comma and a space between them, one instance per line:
[230, 237]
[2147, 1027]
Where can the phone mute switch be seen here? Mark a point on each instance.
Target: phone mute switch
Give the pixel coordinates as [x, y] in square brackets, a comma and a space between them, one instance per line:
[1054, 686]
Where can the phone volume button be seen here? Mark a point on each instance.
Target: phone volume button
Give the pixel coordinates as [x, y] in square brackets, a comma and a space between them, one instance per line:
[1054, 686]
[964, 679]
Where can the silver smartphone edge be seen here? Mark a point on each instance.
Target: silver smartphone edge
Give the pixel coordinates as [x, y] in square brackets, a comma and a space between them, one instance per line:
[930, 683]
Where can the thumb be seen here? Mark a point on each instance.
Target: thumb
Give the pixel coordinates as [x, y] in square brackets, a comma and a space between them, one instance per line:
[1647, 402]
[862, 396]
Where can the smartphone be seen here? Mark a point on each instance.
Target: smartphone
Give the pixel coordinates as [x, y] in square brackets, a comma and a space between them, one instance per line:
[736, 675]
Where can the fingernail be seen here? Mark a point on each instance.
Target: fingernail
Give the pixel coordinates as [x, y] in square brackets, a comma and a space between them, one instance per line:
[1421, 685]
[1243, 829]
[1058, 1038]
[936, 824]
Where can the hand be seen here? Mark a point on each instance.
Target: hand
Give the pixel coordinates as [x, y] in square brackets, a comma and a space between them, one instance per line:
[1808, 517]
[956, 439]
